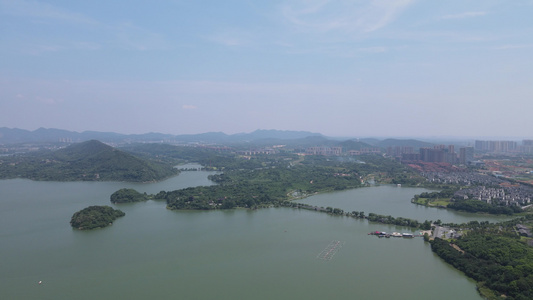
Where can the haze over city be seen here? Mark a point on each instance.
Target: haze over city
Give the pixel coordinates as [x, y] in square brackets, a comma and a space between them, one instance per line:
[340, 68]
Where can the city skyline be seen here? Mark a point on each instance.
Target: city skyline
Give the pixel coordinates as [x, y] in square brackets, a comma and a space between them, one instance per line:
[355, 69]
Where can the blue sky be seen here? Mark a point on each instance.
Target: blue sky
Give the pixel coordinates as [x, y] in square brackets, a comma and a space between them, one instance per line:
[342, 68]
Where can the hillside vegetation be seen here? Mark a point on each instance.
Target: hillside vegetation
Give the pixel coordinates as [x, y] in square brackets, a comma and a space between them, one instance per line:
[87, 161]
[95, 217]
[266, 180]
[495, 256]
[127, 196]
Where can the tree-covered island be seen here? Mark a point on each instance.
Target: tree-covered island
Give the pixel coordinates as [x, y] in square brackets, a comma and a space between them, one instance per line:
[128, 196]
[93, 217]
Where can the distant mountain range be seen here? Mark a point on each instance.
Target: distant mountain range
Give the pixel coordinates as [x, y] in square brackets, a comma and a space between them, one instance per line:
[43, 135]
[402, 143]
[256, 138]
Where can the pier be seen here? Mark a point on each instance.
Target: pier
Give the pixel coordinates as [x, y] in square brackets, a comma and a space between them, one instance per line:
[381, 234]
[330, 250]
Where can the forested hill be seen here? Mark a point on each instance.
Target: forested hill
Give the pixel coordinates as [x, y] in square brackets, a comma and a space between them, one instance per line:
[91, 160]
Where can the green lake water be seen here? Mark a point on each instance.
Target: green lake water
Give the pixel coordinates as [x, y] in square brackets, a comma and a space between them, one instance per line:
[154, 253]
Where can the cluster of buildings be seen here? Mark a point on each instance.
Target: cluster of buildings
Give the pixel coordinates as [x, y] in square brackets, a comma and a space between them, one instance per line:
[328, 151]
[258, 151]
[438, 154]
[505, 196]
[365, 151]
[462, 178]
[399, 151]
[504, 146]
[435, 154]
[495, 146]
[489, 189]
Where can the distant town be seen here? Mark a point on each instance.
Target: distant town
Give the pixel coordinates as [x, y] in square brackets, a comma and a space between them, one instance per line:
[496, 172]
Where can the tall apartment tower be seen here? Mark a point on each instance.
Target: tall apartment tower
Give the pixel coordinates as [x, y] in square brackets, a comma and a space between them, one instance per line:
[466, 155]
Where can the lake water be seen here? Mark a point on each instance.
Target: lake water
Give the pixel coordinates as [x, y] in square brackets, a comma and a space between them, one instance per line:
[394, 201]
[239, 254]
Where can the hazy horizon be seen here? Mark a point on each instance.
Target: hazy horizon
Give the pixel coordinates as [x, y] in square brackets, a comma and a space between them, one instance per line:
[337, 137]
[400, 68]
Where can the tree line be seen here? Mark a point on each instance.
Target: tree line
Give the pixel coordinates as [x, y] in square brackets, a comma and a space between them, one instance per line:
[494, 256]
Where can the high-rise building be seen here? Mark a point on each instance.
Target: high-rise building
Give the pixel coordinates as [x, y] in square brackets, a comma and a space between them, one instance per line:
[496, 146]
[466, 155]
[435, 154]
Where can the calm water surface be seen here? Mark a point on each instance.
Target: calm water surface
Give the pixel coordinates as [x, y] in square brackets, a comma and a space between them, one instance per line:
[265, 254]
[394, 201]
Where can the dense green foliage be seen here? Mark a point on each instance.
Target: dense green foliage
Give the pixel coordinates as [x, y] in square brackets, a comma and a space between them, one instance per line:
[472, 205]
[90, 160]
[127, 196]
[95, 217]
[426, 225]
[500, 262]
[169, 154]
[268, 179]
[445, 193]
[372, 217]
[253, 187]
[221, 196]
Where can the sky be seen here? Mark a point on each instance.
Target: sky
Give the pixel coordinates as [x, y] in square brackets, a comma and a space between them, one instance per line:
[387, 68]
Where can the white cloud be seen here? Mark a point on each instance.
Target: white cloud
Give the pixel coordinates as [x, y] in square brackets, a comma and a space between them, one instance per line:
[189, 106]
[349, 16]
[43, 10]
[465, 15]
[120, 35]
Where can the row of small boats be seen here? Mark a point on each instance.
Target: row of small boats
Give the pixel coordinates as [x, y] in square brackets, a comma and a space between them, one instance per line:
[394, 234]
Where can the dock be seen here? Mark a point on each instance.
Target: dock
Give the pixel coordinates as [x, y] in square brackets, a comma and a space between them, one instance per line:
[381, 234]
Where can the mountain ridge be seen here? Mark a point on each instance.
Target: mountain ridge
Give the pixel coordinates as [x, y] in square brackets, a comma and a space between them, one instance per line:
[51, 135]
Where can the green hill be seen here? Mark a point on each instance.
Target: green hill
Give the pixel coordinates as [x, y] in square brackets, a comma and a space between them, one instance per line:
[89, 161]
[403, 143]
[354, 145]
[93, 217]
